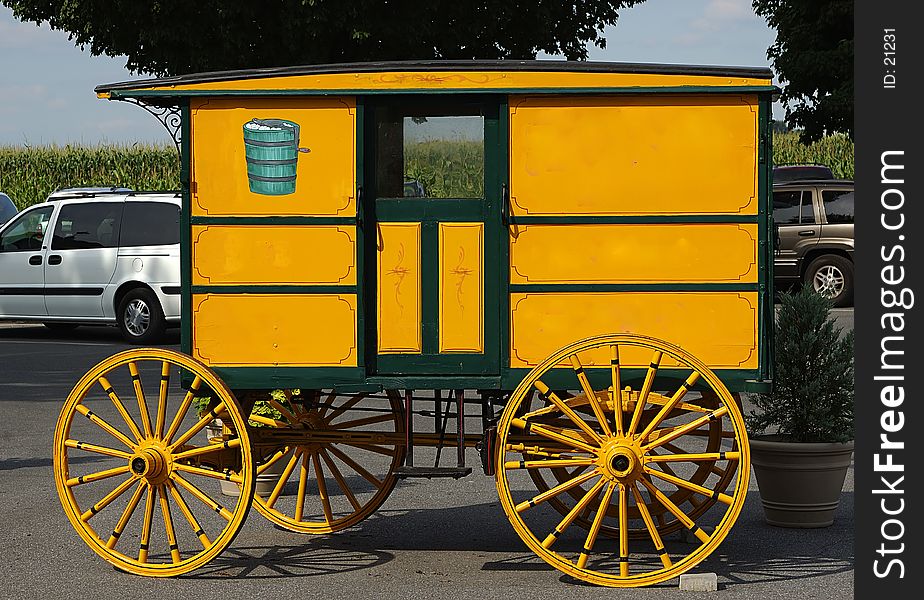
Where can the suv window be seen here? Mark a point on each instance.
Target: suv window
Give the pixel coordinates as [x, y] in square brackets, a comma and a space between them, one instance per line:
[838, 205]
[150, 224]
[26, 232]
[92, 225]
[786, 207]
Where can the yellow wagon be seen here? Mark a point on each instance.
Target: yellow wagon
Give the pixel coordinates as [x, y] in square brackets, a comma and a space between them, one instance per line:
[584, 246]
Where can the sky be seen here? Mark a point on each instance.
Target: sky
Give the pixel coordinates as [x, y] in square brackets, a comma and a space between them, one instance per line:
[46, 82]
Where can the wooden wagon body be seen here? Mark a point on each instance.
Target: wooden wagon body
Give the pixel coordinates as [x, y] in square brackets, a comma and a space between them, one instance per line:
[612, 225]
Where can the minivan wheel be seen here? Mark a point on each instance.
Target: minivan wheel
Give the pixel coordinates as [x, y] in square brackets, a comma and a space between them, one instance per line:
[140, 317]
[832, 277]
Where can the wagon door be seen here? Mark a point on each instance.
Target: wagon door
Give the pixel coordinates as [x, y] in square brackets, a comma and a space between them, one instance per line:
[434, 186]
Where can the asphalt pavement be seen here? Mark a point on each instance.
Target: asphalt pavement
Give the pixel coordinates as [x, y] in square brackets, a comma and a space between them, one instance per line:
[432, 539]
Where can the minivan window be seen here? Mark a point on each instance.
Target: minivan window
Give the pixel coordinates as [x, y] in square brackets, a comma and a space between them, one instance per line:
[27, 232]
[150, 224]
[786, 207]
[91, 225]
[838, 205]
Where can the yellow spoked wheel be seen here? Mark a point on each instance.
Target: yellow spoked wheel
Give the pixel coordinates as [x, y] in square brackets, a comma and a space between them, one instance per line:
[338, 456]
[692, 504]
[628, 464]
[134, 470]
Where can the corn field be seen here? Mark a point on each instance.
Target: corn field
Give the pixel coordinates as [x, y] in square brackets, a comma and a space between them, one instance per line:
[834, 151]
[447, 169]
[29, 174]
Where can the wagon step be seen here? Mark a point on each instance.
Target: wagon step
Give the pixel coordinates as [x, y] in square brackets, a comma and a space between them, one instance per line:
[431, 472]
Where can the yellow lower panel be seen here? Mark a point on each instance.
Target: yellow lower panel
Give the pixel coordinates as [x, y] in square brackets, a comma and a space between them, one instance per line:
[398, 289]
[275, 329]
[719, 328]
[253, 255]
[650, 253]
[461, 287]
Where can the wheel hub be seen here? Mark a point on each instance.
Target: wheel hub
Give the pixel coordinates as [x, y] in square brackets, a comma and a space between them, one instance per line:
[153, 463]
[621, 460]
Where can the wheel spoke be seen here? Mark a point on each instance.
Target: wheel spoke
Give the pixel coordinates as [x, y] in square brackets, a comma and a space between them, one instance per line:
[676, 511]
[573, 513]
[202, 496]
[548, 464]
[162, 400]
[107, 388]
[104, 425]
[558, 489]
[567, 410]
[235, 443]
[343, 408]
[679, 482]
[595, 526]
[617, 390]
[669, 406]
[365, 421]
[684, 429]
[329, 403]
[623, 532]
[547, 432]
[286, 413]
[650, 526]
[302, 484]
[226, 475]
[199, 426]
[184, 408]
[322, 488]
[338, 477]
[190, 517]
[168, 525]
[97, 476]
[705, 456]
[268, 421]
[371, 448]
[281, 483]
[643, 395]
[146, 526]
[272, 460]
[97, 449]
[126, 515]
[356, 467]
[591, 395]
[142, 404]
[108, 499]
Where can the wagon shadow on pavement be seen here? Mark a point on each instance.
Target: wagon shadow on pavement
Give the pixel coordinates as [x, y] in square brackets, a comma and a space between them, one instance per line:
[308, 560]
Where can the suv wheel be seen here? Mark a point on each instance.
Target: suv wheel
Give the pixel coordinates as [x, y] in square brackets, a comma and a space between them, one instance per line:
[832, 277]
[140, 318]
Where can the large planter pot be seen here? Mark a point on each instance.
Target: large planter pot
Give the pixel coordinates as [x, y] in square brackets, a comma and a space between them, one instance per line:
[800, 483]
[266, 480]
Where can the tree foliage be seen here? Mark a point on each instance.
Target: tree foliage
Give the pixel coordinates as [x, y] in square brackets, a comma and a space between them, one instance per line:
[812, 398]
[813, 58]
[169, 37]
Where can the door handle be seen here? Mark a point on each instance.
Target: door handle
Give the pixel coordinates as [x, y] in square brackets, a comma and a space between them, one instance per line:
[35, 260]
[505, 206]
[805, 233]
[54, 259]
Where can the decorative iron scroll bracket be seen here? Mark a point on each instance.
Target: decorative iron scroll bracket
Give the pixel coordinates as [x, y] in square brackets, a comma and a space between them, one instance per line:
[168, 114]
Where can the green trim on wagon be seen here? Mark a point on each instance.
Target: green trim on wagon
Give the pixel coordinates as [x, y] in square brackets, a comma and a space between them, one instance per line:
[185, 231]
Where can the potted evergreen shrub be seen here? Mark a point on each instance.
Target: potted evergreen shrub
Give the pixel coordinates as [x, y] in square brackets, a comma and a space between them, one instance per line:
[806, 424]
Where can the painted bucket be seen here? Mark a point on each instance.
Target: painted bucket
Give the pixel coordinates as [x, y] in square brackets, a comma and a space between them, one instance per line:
[271, 149]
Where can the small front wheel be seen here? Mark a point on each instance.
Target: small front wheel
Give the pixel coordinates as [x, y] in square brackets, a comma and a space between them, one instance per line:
[140, 317]
[135, 471]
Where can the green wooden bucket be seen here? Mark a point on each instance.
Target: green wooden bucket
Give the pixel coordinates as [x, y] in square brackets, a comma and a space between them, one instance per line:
[271, 149]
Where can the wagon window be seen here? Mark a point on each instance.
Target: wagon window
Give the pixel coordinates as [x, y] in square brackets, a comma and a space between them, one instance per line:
[429, 153]
[786, 207]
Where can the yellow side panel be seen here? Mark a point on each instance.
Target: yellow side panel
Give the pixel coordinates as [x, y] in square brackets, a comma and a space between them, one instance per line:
[719, 328]
[278, 254]
[398, 290]
[641, 155]
[651, 253]
[325, 169]
[447, 80]
[275, 329]
[461, 315]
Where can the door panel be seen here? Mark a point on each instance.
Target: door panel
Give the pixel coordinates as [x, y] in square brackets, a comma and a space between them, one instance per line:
[461, 316]
[22, 264]
[398, 290]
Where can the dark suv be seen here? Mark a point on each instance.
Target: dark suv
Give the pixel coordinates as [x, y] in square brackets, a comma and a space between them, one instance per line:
[814, 223]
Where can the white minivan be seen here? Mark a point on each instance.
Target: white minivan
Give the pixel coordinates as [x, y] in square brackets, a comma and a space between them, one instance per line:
[94, 257]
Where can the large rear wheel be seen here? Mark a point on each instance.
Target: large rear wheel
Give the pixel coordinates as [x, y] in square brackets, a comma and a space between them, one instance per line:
[635, 461]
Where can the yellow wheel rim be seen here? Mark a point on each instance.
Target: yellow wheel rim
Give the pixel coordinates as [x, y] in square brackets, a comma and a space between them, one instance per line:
[337, 465]
[134, 470]
[626, 464]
